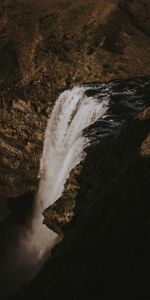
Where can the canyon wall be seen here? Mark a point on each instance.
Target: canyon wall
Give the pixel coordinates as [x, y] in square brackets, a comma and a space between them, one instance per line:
[45, 47]
[48, 46]
[105, 252]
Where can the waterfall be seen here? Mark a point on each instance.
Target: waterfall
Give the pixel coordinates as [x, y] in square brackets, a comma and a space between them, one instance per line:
[109, 107]
[64, 143]
[63, 149]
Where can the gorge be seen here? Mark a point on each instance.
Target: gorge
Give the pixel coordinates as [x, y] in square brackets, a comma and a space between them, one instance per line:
[82, 119]
[75, 149]
[108, 241]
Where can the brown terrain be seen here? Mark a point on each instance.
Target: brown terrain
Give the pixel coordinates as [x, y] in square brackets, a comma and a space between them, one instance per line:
[45, 47]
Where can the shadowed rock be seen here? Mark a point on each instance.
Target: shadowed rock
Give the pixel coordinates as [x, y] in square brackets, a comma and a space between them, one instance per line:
[105, 255]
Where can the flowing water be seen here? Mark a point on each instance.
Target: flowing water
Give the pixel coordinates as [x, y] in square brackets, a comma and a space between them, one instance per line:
[64, 142]
[63, 149]
[64, 145]
[81, 116]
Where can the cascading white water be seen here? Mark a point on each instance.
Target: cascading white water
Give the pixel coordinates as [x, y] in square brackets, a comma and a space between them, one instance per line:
[63, 149]
[64, 143]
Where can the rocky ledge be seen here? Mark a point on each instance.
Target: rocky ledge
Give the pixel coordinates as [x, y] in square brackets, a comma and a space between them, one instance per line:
[59, 215]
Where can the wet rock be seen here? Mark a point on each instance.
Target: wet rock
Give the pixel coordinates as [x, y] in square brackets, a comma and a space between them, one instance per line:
[59, 215]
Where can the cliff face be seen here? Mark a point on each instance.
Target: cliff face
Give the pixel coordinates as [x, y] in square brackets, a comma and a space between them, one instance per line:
[45, 47]
[105, 254]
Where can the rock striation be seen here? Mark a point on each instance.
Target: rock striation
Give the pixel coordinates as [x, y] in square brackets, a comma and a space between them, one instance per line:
[46, 47]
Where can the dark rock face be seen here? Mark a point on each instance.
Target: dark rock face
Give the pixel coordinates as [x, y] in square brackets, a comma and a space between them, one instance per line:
[46, 47]
[126, 99]
[105, 254]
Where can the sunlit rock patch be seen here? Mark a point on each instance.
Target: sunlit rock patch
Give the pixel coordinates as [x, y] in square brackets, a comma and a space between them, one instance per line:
[59, 215]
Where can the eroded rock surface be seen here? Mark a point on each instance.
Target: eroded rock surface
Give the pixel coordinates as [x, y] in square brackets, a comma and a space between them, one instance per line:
[59, 215]
[45, 47]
